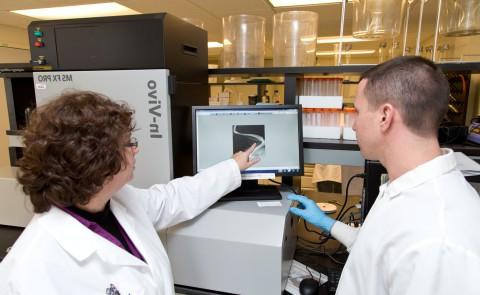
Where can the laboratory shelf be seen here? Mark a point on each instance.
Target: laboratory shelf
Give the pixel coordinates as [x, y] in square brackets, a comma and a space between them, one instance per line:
[332, 144]
[470, 67]
[332, 151]
[291, 70]
[333, 157]
[347, 152]
[16, 74]
[247, 83]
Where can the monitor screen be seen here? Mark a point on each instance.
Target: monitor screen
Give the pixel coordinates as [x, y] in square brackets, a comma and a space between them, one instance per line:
[221, 131]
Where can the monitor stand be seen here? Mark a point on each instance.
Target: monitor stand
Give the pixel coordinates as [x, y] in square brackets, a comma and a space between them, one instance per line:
[250, 190]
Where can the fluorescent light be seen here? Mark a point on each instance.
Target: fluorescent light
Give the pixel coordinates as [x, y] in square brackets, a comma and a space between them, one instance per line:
[78, 11]
[215, 45]
[345, 39]
[352, 52]
[283, 3]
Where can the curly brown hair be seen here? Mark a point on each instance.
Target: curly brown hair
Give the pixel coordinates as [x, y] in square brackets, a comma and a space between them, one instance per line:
[73, 145]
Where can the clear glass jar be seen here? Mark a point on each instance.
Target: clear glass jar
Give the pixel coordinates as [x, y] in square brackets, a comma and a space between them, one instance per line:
[460, 17]
[377, 18]
[243, 41]
[382, 52]
[395, 50]
[294, 38]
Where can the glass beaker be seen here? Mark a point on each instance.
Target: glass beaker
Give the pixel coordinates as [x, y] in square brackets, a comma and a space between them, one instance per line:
[346, 53]
[395, 50]
[382, 52]
[460, 17]
[243, 41]
[377, 18]
[294, 38]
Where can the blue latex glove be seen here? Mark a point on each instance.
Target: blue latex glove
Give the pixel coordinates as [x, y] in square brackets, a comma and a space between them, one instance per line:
[308, 210]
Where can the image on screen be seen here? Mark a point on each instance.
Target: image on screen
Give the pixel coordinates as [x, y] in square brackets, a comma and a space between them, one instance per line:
[246, 135]
[219, 132]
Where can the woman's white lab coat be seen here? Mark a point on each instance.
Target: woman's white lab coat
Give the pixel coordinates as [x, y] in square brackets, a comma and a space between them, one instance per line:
[58, 255]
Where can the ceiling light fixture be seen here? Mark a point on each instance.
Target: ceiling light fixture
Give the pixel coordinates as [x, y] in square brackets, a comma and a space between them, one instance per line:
[345, 39]
[215, 45]
[286, 3]
[78, 11]
[352, 52]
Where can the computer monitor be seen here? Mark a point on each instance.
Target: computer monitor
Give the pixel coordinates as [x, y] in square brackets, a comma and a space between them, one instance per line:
[221, 131]
[375, 175]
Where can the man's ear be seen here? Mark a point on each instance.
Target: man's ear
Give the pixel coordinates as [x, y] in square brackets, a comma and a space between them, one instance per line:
[387, 115]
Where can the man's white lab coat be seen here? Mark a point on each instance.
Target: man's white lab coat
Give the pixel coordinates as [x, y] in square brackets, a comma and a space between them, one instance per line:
[420, 237]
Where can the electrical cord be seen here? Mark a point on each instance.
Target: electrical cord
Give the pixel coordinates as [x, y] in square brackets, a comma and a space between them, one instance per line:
[360, 175]
[311, 230]
[334, 260]
[345, 212]
[314, 251]
[311, 242]
[311, 275]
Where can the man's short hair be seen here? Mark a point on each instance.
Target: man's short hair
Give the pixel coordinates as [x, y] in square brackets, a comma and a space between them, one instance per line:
[414, 85]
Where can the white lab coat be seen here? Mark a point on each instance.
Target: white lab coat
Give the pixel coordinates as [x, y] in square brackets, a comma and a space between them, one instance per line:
[420, 237]
[58, 255]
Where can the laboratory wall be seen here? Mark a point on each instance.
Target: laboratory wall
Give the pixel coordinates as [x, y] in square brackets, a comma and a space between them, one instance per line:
[13, 49]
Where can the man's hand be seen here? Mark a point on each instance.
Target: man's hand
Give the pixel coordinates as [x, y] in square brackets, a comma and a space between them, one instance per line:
[309, 211]
[244, 160]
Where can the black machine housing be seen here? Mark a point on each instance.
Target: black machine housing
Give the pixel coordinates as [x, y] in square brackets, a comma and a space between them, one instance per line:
[147, 41]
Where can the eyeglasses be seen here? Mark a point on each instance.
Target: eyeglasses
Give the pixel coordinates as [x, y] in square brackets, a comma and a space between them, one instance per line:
[133, 143]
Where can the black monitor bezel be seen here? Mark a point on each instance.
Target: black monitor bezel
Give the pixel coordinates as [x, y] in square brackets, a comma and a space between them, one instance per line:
[252, 107]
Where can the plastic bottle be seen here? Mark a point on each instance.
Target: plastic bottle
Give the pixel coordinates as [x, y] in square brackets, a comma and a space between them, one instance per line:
[265, 97]
[276, 96]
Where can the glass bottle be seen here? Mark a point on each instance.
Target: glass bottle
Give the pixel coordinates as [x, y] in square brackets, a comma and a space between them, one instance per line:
[395, 49]
[382, 52]
[276, 96]
[265, 97]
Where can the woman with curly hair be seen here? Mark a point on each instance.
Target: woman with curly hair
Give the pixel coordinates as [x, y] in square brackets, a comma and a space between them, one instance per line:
[92, 233]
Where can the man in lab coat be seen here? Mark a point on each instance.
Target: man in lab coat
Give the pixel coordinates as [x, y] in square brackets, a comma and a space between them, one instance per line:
[92, 232]
[420, 236]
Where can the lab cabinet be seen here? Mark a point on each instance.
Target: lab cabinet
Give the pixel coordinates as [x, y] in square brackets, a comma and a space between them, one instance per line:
[338, 151]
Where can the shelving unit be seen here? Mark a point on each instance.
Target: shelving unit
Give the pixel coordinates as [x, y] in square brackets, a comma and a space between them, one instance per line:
[327, 151]
[472, 67]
